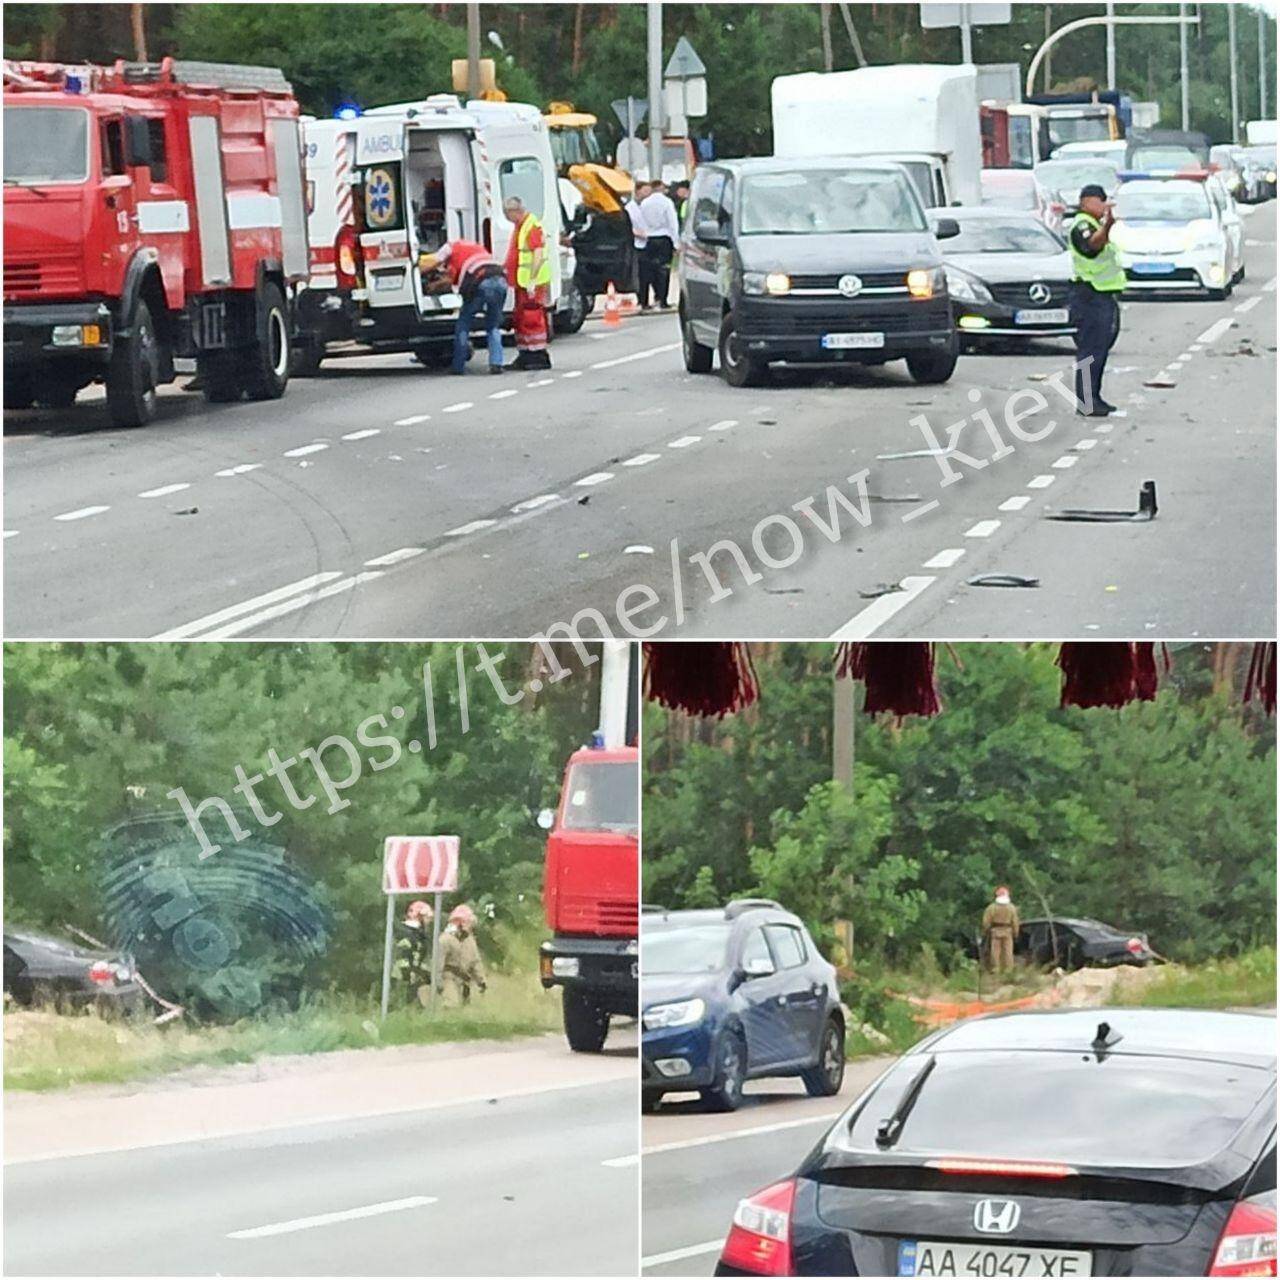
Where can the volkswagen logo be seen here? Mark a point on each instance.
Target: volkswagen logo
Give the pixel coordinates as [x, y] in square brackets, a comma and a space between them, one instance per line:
[996, 1217]
[849, 286]
[1039, 292]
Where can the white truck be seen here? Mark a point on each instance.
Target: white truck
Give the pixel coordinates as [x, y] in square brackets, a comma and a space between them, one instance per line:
[1260, 133]
[923, 115]
[398, 181]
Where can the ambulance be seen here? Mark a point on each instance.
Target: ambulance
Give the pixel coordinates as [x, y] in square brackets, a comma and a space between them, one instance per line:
[398, 181]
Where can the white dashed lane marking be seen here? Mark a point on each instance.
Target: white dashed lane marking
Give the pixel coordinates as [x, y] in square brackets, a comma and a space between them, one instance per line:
[1040, 482]
[983, 529]
[1216, 330]
[394, 557]
[683, 442]
[164, 490]
[572, 373]
[302, 450]
[1016, 503]
[1249, 303]
[475, 526]
[243, 469]
[532, 504]
[414, 419]
[1063, 463]
[723, 426]
[597, 477]
[869, 620]
[641, 459]
[1085, 444]
[362, 435]
[458, 408]
[82, 513]
[540, 382]
[945, 559]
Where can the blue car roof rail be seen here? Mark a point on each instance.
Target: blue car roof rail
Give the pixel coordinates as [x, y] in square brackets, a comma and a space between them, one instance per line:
[740, 906]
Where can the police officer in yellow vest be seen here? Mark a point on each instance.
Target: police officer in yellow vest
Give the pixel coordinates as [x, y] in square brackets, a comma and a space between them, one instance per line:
[1097, 279]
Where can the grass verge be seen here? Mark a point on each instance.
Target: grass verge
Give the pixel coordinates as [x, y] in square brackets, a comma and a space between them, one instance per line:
[50, 1051]
[1244, 981]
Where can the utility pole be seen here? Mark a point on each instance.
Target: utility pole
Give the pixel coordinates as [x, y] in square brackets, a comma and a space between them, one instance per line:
[473, 51]
[1262, 65]
[1111, 45]
[828, 58]
[1235, 75]
[966, 35]
[656, 113]
[853, 33]
[1182, 67]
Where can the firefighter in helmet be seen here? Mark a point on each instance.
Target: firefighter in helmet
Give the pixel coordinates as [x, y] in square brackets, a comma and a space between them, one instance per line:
[1000, 925]
[413, 949]
[460, 964]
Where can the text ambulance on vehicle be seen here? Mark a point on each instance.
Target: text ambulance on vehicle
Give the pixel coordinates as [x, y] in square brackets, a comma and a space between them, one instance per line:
[152, 211]
[397, 182]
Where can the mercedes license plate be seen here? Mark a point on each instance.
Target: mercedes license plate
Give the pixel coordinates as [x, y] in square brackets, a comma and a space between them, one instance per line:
[1045, 315]
[941, 1258]
[845, 341]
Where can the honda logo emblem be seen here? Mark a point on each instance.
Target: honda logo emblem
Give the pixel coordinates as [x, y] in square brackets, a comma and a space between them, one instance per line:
[996, 1217]
[1040, 292]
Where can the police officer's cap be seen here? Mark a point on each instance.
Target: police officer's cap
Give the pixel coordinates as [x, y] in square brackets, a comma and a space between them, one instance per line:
[1093, 189]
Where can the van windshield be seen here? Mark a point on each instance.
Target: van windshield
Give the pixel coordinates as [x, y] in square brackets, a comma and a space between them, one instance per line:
[46, 144]
[603, 797]
[802, 202]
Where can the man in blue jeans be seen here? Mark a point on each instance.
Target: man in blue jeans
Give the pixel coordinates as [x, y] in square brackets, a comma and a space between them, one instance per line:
[478, 277]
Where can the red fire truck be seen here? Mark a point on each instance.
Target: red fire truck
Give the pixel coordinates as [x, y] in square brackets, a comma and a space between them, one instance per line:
[591, 891]
[152, 211]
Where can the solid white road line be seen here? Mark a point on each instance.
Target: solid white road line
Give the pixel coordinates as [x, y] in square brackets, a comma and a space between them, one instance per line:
[622, 1162]
[81, 513]
[394, 557]
[458, 408]
[635, 355]
[983, 529]
[1063, 463]
[325, 1219]
[678, 1255]
[164, 490]
[474, 527]
[362, 435]
[413, 420]
[1040, 482]
[1249, 303]
[596, 477]
[246, 606]
[1216, 330]
[733, 1135]
[683, 442]
[1016, 503]
[302, 450]
[291, 606]
[945, 559]
[641, 459]
[243, 469]
[869, 620]
[532, 504]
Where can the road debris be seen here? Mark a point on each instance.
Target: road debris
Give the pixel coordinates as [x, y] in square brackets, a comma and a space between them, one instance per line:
[1147, 510]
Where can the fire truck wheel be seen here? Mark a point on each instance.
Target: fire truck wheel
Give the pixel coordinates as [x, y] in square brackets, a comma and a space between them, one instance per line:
[305, 358]
[131, 375]
[18, 392]
[266, 363]
[221, 377]
[585, 1024]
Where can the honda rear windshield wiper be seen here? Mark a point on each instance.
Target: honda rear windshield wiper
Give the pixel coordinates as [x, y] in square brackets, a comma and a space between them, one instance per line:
[888, 1131]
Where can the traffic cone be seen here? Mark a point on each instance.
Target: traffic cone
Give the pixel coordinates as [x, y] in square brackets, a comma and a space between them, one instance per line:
[612, 316]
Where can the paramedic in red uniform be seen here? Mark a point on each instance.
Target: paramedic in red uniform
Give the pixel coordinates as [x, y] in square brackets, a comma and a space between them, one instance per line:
[528, 267]
[479, 278]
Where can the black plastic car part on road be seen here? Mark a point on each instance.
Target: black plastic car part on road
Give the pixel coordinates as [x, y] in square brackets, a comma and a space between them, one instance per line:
[1085, 1143]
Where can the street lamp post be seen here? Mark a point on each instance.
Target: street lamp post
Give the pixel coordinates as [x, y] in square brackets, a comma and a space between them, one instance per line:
[656, 114]
[1182, 67]
[1262, 65]
[1111, 45]
[1235, 78]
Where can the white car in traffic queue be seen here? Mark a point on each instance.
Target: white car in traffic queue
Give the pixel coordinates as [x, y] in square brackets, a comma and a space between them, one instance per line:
[1178, 234]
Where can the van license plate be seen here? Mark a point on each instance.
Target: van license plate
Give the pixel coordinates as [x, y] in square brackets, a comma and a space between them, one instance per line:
[1046, 315]
[940, 1258]
[844, 341]
[385, 280]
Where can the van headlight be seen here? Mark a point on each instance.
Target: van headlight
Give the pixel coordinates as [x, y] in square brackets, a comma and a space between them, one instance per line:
[777, 283]
[966, 288]
[680, 1013]
[924, 282]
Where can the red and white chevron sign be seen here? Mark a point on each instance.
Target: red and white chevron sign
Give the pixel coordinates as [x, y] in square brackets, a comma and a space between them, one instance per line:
[420, 864]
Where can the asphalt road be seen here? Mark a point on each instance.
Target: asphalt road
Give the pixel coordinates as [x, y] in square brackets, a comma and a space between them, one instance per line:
[696, 1166]
[382, 500]
[535, 1183]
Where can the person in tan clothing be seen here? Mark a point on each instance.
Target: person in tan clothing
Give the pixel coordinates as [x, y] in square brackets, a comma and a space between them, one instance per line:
[460, 965]
[1000, 925]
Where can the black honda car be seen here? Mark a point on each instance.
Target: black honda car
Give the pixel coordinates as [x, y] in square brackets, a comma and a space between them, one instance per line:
[1103, 1142]
[1077, 942]
[44, 970]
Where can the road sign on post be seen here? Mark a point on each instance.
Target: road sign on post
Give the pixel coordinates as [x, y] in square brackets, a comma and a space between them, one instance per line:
[418, 865]
[684, 87]
[966, 17]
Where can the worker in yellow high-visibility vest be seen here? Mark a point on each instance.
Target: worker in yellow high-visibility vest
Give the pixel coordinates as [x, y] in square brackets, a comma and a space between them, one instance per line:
[528, 268]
